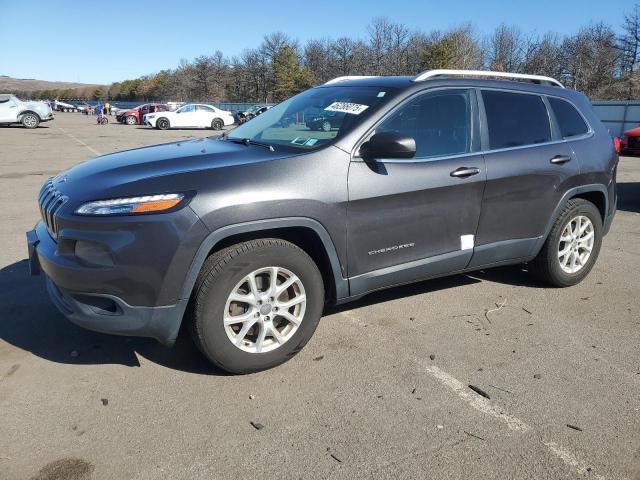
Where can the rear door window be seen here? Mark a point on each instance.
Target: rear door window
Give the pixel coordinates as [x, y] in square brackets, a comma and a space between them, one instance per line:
[515, 119]
[569, 120]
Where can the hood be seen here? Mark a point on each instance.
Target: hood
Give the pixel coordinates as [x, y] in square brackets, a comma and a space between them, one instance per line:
[181, 165]
[634, 132]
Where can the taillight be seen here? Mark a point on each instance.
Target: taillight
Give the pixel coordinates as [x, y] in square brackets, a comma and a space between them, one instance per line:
[616, 144]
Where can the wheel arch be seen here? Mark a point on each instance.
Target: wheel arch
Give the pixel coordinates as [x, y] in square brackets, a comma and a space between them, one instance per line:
[595, 193]
[306, 233]
[25, 112]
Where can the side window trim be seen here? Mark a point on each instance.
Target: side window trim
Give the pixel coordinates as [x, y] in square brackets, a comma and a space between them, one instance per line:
[553, 121]
[475, 145]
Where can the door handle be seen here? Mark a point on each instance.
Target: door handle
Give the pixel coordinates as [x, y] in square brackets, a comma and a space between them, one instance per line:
[464, 172]
[560, 159]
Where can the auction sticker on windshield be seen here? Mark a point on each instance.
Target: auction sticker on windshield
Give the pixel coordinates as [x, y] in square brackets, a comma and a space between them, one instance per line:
[346, 107]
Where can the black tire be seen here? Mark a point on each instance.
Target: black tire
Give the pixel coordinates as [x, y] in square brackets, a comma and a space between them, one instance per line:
[546, 265]
[163, 124]
[130, 120]
[217, 124]
[221, 273]
[30, 120]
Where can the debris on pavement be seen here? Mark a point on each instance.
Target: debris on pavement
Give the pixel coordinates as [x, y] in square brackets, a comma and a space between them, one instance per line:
[480, 392]
[537, 376]
[501, 389]
[432, 356]
[251, 397]
[528, 311]
[317, 359]
[105, 401]
[335, 458]
[256, 425]
[574, 427]
[499, 306]
[473, 435]
[439, 427]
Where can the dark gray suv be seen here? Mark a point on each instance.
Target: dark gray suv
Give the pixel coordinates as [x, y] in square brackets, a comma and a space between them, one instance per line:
[249, 236]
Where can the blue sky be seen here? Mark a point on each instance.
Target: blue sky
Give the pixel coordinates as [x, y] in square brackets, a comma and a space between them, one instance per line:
[105, 41]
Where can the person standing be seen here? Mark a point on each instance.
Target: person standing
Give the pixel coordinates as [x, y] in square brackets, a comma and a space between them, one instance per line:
[107, 105]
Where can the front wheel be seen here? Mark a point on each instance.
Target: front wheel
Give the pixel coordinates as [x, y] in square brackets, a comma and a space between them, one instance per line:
[30, 120]
[256, 304]
[130, 120]
[162, 124]
[572, 247]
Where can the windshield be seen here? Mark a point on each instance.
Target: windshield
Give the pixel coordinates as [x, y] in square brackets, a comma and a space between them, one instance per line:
[313, 118]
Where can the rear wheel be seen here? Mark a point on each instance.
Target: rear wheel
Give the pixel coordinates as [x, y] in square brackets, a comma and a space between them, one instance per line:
[131, 120]
[217, 124]
[162, 124]
[256, 304]
[573, 245]
[30, 120]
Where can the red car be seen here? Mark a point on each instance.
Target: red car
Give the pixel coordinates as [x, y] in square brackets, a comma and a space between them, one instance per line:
[630, 142]
[134, 116]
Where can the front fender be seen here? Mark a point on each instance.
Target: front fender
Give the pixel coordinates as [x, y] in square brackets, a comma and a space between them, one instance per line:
[342, 286]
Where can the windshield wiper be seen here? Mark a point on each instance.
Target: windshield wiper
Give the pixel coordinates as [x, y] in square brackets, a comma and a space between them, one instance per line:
[248, 141]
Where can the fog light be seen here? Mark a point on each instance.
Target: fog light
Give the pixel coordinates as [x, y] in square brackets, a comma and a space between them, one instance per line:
[93, 254]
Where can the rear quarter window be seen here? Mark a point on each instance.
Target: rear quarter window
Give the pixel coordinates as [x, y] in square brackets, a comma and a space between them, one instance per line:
[515, 119]
[569, 119]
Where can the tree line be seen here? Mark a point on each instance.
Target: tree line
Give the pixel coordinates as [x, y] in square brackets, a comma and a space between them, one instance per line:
[597, 60]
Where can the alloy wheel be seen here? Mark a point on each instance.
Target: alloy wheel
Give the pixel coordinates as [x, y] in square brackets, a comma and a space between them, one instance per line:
[30, 121]
[576, 244]
[265, 309]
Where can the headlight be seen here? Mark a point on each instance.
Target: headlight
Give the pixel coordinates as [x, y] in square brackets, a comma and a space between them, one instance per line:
[132, 205]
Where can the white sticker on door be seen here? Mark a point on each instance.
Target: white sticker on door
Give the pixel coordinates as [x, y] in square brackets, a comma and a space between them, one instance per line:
[346, 107]
[466, 242]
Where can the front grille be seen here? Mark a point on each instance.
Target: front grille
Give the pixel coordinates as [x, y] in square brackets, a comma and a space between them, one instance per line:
[50, 201]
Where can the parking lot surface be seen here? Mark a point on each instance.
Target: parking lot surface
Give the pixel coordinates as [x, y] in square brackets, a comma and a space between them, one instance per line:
[381, 390]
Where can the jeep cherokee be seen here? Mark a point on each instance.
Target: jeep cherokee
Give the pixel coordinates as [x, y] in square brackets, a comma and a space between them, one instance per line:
[248, 237]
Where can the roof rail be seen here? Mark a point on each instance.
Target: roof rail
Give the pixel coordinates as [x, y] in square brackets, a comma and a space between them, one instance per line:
[426, 75]
[348, 77]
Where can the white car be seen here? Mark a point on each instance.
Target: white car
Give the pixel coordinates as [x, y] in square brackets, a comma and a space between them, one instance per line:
[192, 115]
[29, 114]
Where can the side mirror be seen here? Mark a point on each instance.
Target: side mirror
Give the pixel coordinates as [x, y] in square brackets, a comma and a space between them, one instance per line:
[388, 145]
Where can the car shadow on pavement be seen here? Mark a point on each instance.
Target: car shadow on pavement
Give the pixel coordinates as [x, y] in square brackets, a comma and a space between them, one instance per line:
[28, 320]
[509, 275]
[629, 197]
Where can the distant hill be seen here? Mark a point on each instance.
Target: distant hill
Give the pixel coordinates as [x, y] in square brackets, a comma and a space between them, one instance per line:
[9, 84]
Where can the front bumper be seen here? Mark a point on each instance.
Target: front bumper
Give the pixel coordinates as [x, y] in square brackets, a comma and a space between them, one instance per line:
[89, 297]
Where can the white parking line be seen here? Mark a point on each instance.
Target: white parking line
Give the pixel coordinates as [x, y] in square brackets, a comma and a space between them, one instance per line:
[485, 406]
[73, 137]
[479, 403]
[570, 459]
